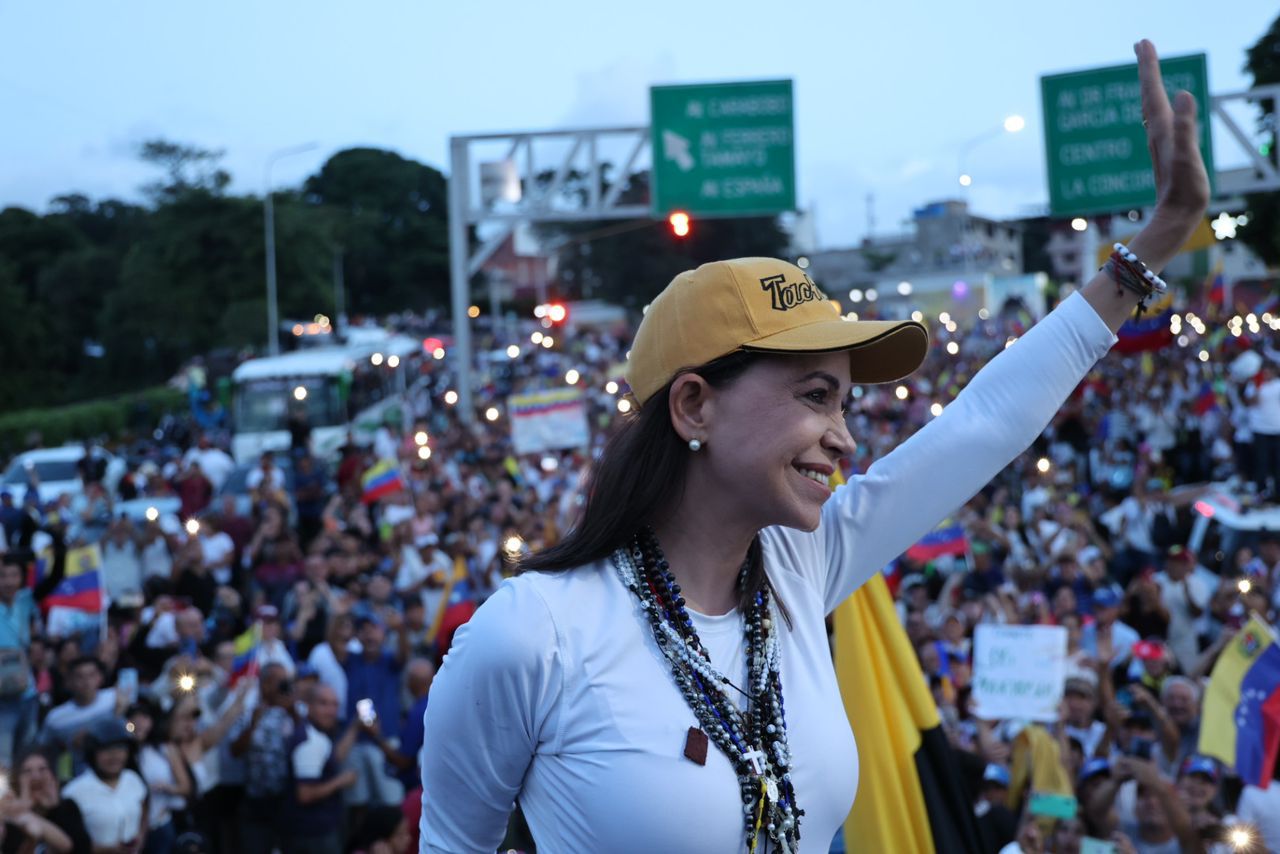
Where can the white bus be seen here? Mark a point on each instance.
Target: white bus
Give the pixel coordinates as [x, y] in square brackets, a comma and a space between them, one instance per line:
[346, 389]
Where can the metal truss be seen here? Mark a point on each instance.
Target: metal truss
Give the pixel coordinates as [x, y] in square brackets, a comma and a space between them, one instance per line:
[531, 198]
[1261, 175]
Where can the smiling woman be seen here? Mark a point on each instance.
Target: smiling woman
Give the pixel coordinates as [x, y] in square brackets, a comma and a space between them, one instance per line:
[661, 680]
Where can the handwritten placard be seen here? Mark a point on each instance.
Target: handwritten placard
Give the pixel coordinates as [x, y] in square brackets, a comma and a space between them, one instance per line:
[1018, 671]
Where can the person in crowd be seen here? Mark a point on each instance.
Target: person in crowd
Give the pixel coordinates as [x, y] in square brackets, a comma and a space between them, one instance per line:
[1143, 805]
[996, 822]
[384, 830]
[264, 743]
[18, 604]
[195, 490]
[273, 555]
[66, 725]
[310, 495]
[329, 658]
[36, 816]
[373, 678]
[197, 748]
[1107, 638]
[112, 798]
[162, 768]
[319, 751]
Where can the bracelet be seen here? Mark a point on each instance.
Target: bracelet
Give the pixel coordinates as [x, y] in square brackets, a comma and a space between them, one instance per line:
[1130, 273]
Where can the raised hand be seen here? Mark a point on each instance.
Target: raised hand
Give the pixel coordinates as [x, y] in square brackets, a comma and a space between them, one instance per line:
[1173, 138]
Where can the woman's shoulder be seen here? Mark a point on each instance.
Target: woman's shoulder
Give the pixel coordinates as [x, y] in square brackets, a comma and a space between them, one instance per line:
[549, 592]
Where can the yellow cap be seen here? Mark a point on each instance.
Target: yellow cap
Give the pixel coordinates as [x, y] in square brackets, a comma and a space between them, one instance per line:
[765, 305]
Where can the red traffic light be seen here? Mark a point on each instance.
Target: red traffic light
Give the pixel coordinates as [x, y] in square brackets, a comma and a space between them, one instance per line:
[679, 221]
[551, 314]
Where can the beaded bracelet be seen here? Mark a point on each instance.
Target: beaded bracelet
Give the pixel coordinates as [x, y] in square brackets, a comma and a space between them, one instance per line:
[1127, 270]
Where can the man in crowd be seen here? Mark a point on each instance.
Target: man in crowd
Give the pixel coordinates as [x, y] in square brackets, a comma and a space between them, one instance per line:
[316, 760]
[265, 745]
[374, 675]
[66, 725]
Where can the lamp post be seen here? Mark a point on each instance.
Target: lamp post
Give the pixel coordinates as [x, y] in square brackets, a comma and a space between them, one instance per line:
[1011, 124]
[269, 224]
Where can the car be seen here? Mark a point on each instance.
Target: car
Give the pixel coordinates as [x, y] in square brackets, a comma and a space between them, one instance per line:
[149, 508]
[56, 473]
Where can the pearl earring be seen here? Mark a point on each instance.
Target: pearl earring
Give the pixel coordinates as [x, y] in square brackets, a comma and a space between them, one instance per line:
[695, 445]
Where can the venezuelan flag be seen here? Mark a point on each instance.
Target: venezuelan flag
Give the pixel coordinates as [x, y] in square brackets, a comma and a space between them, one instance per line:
[382, 479]
[1152, 332]
[245, 663]
[81, 586]
[1240, 724]
[944, 540]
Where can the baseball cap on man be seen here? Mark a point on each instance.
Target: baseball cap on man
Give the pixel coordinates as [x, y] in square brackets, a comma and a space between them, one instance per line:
[762, 305]
[1149, 650]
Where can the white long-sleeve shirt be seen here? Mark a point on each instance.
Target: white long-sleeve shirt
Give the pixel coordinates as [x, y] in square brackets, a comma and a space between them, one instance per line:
[556, 692]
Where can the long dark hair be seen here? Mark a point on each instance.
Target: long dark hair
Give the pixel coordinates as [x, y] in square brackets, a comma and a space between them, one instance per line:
[640, 475]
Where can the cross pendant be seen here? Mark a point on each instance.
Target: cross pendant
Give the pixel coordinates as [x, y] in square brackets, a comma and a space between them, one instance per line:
[756, 757]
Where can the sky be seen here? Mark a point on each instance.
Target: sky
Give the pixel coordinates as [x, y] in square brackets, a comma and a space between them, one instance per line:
[886, 94]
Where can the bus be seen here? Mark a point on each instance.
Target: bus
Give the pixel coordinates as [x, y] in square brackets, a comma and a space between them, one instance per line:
[349, 389]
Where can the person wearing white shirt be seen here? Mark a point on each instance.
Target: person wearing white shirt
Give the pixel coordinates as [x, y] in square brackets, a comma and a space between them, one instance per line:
[266, 474]
[218, 550]
[604, 687]
[1265, 423]
[216, 463]
[89, 703]
[423, 569]
[112, 798]
[1185, 597]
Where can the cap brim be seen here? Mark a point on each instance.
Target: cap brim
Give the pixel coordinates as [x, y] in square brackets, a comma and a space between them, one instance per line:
[880, 351]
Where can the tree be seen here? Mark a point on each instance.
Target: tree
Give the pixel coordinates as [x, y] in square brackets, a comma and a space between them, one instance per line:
[187, 168]
[1262, 234]
[389, 215]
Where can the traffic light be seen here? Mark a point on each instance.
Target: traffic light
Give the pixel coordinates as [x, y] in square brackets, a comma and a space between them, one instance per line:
[679, 221]
[551, 314]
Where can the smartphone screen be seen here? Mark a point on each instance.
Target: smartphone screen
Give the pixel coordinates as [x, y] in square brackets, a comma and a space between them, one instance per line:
[365, 711]
[127, 684]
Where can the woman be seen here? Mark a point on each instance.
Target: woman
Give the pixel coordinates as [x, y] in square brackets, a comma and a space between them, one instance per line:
[663, 681]
[39, 816]
[196, 751]
[165, 774]
[274, 556]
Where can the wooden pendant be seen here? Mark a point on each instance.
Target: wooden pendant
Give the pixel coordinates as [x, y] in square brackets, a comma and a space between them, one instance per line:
[695, 746]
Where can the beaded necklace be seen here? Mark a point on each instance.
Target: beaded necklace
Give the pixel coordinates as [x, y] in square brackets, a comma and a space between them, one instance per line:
[753, 739]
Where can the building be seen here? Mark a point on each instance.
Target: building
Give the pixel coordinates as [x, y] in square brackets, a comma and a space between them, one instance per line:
[949, 257]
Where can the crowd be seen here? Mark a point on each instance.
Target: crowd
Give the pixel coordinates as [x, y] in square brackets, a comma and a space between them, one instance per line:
[259, 673]
[1092, 530]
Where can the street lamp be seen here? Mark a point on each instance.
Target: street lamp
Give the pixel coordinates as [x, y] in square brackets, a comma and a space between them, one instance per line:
[269, 223]
[1011, 124]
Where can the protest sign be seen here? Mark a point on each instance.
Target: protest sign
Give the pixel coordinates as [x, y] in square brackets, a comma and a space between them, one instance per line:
[1018, 671]
[548, 420]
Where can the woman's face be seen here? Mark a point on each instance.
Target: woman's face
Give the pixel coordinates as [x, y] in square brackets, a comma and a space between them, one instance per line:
[36, 782]
[781, 418]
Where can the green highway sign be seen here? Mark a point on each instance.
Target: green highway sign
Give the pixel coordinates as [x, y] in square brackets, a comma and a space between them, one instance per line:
[725, 149]
[1095, 145]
